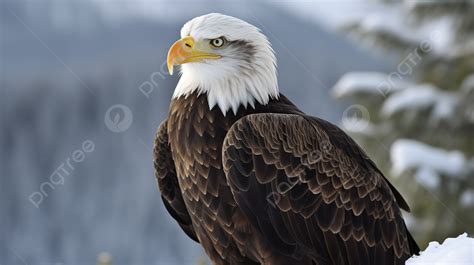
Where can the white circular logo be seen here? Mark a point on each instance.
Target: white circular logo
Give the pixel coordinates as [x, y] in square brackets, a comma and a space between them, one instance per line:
[356, 118]
[118, 118]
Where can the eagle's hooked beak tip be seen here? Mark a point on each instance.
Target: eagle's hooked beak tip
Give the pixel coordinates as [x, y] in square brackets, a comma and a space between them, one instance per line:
[170, 68]
[179, 52]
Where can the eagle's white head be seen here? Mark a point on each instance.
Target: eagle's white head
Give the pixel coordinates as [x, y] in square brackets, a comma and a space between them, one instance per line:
[226, 58]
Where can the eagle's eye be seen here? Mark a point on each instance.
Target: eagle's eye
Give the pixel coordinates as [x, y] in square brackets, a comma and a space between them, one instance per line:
[218, 42]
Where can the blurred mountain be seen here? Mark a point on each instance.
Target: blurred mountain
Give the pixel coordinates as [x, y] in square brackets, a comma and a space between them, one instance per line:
[63, 65]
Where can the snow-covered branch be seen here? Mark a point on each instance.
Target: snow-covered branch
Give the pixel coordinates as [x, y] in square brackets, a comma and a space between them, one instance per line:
[429, 162]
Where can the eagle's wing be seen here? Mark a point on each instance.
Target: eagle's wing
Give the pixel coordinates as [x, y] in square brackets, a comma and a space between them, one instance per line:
[165, 174]
[310, 190]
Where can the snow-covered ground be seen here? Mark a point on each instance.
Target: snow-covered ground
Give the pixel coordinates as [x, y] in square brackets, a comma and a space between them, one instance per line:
[453, 251]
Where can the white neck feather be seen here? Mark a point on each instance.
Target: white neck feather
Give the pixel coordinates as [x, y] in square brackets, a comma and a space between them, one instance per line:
[230, 91]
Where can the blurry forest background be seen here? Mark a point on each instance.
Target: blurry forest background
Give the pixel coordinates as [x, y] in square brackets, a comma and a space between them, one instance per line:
[417, 122]
[65, 63]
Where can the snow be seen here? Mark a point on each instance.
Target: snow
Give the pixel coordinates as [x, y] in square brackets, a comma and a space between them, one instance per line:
[441, 35]
[468, 84]
[378, 18]
[421, 97]
[453, 251]
[428, 177]
[467, 198]
[390, 23]
[433, 36]
[366, 82]
[428, 161]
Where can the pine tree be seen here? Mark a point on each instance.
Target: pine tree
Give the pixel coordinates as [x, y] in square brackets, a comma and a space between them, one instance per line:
[418, 121]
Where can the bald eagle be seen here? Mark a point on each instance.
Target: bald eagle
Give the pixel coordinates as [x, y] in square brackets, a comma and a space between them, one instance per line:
[252, 178]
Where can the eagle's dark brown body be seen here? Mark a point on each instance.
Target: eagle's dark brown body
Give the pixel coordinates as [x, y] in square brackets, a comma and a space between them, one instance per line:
[277, 187]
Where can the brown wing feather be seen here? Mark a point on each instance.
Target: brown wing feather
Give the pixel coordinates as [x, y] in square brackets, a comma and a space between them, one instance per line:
[165, 174]
[345, 143]
[311, 191]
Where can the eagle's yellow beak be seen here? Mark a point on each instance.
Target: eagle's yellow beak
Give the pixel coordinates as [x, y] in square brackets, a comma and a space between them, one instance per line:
[186, 50]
